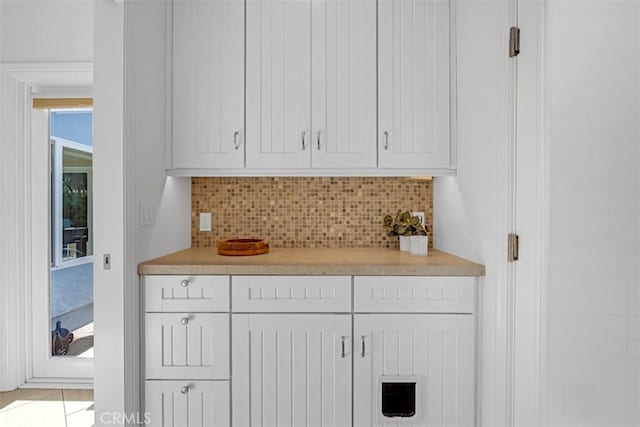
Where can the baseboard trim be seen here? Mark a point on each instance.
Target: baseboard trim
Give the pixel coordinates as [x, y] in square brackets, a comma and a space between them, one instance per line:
[59, 383]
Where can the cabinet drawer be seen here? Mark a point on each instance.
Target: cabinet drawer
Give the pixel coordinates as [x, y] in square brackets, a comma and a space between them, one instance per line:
[413, 294]
[187, 346]
[291, 294]
[186, 293]
[187, 403]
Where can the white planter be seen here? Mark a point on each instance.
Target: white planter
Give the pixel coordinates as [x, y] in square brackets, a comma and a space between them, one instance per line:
[419, 245]
[405, 243]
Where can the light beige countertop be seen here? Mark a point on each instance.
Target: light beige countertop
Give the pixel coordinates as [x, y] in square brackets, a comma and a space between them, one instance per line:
[313, 261]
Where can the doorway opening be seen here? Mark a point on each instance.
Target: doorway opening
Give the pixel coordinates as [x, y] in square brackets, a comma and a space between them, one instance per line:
[71, 232]
[63, 237]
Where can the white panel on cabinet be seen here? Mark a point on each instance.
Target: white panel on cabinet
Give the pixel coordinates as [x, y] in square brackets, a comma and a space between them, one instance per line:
[298, 294]
[208, 84]
[414, 84]
[291, 370]
[413, 294]
[186, 293]
[344, 93]
[187, 346]
[278, 52]
[435, 352]
[187, 403]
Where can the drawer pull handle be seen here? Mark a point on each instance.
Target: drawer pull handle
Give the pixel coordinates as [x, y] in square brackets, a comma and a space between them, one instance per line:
[363, 352]
[343, 354]
[184, 389]
[184, 321]
[184, 283]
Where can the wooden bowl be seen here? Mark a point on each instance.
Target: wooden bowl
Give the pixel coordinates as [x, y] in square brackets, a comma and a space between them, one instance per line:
[242, 247]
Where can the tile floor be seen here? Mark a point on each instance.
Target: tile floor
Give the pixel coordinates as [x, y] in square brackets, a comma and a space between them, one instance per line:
[46, 407]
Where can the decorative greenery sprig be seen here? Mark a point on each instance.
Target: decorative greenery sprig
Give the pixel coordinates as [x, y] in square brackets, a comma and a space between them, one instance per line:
[403, 224]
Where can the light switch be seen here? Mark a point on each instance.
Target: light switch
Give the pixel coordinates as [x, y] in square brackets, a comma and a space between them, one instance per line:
[145, 214]
[205, 221]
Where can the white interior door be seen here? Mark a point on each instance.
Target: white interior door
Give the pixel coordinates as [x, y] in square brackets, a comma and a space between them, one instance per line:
[278, 57]
[413, 83]
[208, 84]
[576, 296]
[344, 92]
[434, 351]
[291, 370]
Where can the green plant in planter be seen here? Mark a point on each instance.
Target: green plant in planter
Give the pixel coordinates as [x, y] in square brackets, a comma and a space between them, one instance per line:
[403, 224]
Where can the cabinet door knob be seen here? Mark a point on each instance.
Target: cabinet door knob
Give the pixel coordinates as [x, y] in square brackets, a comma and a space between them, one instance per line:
[386, 139]
[184, 321]
[236, 142]
[184, 283]
[184, 389]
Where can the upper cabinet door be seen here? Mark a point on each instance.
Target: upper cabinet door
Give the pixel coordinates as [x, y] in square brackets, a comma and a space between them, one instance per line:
[278, 84]
[414, 95]
[208, 84]
[344, 93]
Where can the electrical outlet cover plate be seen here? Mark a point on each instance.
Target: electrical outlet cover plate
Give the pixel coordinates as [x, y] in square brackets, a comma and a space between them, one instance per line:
[205, 221]
[419, 215]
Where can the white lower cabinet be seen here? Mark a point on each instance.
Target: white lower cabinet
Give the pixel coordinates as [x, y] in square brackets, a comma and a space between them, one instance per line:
[291, 370]
[414, 368]
[331, 351]
[187, 403]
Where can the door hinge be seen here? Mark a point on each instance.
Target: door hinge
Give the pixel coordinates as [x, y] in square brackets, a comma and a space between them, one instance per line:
[514, 247]
[514, 41]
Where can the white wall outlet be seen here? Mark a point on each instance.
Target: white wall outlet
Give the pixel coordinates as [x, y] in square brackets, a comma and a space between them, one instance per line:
[419, 215]
[205, 221]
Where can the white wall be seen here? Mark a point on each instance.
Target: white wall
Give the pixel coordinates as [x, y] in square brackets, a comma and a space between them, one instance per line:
[31, 32]
[109, 290]
[166, 199]
[46, 30]
[592, 290]
[470, 209]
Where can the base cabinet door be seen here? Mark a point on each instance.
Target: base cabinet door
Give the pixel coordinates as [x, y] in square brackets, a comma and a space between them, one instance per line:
[413, 370]
[187, 403]
[291, 370]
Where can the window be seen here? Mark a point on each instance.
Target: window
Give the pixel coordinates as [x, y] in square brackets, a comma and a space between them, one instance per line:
[71, 187]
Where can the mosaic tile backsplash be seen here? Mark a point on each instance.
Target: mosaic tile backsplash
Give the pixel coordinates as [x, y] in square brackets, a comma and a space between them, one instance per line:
[306, 212]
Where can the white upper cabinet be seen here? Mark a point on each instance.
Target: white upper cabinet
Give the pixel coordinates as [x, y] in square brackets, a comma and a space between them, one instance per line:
[413, 84]
[304, 87]
[208, 84]
[343, 90]
[278, 84]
